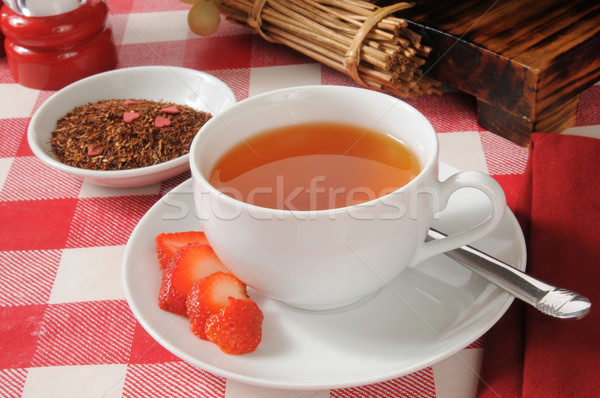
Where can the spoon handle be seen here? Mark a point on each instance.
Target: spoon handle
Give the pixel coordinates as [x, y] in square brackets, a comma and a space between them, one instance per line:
[553, 301]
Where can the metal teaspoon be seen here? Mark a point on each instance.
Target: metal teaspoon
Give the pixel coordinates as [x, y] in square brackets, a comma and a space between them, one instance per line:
[551, 300]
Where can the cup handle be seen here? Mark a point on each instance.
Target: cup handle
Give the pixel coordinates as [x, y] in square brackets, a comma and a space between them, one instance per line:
[465, 179]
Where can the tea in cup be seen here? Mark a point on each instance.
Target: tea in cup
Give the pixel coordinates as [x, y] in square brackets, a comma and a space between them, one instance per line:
[318, 196]
[314, 166]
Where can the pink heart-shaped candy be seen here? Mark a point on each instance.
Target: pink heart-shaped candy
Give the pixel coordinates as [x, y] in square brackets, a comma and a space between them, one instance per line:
[130, 116]
[162, 122]
[170, 109]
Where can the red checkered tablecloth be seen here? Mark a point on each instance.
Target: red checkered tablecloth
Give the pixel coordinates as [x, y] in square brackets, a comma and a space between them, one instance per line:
[66, 329]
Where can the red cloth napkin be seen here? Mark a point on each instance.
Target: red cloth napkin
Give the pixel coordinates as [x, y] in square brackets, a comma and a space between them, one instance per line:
[528, 354]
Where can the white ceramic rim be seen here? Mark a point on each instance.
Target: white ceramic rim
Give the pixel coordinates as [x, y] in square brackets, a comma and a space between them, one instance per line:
[426, 168]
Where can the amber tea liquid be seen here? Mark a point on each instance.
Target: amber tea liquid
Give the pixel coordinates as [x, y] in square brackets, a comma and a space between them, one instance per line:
[314, 166]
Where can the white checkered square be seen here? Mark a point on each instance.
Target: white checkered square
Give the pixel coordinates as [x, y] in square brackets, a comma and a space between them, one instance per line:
[462, 150]
[156, 27]
[88, 274]
[276, 77]
[456, 376]
[16, 101]
[584, 131]
[104, 381]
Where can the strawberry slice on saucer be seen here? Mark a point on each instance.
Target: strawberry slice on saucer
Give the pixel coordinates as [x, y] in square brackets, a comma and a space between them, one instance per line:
[209, 295]
[168, 243]
[237, 328]
[191, 263]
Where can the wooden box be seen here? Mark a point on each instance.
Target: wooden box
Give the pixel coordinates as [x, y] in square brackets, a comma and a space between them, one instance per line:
[526, 61]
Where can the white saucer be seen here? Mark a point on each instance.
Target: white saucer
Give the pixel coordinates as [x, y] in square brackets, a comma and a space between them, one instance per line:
[427, 314]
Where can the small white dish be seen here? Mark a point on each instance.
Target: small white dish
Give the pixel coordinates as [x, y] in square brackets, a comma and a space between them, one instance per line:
[193, 88]
[430, 312]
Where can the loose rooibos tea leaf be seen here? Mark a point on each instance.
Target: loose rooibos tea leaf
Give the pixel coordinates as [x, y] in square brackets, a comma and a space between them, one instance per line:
[125, 134]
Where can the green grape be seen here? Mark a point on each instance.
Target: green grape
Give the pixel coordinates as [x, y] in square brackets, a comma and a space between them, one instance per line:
[204, 18]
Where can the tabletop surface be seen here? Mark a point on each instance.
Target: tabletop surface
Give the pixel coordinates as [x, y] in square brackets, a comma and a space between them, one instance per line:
[67, 329]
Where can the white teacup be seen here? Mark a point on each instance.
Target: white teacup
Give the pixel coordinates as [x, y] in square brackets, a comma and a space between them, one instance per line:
[326, 259]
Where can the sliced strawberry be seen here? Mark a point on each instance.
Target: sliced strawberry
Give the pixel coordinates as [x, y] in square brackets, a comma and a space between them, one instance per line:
[209, 295]
[198, 324]
[237, 328]
[191, 263]
[167, 244]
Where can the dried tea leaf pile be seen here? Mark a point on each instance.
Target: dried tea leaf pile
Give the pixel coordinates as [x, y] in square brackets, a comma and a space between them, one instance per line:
[122, 134]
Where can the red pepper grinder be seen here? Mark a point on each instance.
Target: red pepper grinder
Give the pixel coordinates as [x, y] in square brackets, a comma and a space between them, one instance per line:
[51, 51]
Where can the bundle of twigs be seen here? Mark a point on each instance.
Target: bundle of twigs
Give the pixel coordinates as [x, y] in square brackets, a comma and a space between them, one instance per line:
[355, 37]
